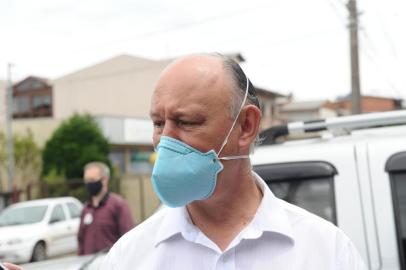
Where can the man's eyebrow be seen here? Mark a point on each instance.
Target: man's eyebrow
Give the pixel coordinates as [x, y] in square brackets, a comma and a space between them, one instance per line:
[154, 114]
[180, 114]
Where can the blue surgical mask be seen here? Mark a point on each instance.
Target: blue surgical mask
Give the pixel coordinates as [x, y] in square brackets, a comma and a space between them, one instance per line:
[183, 174]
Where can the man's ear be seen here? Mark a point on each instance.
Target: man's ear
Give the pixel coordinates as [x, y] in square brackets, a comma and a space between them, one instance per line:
[250, 118]
[106, 181]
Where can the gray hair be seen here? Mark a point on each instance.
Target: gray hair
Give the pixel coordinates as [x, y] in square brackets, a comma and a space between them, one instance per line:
[103, 168]
[239, 80]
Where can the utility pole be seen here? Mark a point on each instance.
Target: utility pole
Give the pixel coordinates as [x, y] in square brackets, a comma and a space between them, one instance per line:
[355, 76]
[10, 141]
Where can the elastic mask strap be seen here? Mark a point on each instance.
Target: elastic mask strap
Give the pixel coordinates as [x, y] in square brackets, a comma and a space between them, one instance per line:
[234, 157]
[236, 118]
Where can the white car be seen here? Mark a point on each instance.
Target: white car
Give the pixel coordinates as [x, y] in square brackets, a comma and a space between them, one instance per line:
[37, 229]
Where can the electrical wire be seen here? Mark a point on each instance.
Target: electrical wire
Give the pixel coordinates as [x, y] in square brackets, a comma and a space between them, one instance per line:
[372, 47]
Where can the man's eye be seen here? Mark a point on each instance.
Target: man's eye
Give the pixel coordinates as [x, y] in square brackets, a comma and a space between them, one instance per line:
[158, 124]
[185, 123]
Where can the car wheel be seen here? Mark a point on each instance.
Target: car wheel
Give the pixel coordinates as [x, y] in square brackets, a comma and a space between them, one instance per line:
[39, 252]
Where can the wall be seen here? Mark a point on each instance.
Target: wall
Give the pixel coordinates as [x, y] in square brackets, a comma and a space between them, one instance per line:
[42, 128]
[112, 91]
[373, 104]
[369, 104]
[139, 193]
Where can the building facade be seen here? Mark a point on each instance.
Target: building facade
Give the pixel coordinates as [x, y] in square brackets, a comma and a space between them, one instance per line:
[32, 98]
[305, 111]
[368, 104]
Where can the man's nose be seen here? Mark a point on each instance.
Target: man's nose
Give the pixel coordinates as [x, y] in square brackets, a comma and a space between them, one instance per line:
[170, 130]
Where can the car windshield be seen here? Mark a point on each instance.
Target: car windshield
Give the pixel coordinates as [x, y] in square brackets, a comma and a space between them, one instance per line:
[22, 215]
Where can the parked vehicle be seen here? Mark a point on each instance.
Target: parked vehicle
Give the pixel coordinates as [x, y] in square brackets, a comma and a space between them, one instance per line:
[37, 229]
[354, 175]
[86, 262]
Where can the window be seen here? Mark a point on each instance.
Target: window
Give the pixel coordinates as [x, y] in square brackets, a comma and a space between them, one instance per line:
[140, 162]
[57, 214]
[396, 167]
[21, 104]
[309, 185]
[43, 101]
[74, 210]
[22, 215]
[30, 84]
[36, 85]
[117, 159]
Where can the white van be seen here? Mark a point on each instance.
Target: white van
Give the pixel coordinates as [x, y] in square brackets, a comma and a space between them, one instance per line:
[356, 179]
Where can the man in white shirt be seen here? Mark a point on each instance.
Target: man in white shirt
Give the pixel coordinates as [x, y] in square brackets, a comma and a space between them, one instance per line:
[222, 215]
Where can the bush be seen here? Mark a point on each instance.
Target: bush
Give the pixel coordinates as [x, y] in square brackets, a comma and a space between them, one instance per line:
[74, 143]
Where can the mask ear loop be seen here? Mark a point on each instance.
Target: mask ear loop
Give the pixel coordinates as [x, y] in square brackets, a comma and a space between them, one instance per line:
[232, 127]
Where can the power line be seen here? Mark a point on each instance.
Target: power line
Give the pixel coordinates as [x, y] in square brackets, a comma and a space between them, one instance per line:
[388, 37]
[182, 26]
[371, 45]
[334, 7]
[382, 73]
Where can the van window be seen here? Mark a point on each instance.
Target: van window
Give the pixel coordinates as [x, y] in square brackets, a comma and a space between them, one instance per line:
[396, 167]
[309, 185]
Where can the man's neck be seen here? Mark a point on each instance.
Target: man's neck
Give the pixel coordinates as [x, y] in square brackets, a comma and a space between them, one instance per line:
[95, 200]
[233, 206]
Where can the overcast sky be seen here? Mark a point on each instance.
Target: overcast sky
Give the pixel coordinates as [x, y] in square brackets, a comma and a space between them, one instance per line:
[291, 46]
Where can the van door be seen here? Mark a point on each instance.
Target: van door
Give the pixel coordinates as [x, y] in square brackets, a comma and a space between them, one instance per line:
[387, 197]
[396, 167]
[320, 168]
[368, 207]
[308, 184]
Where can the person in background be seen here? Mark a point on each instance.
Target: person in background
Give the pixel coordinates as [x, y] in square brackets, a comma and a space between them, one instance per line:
[106, 215]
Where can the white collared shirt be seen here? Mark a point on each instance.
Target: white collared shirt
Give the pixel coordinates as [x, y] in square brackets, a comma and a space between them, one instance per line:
[281, 236]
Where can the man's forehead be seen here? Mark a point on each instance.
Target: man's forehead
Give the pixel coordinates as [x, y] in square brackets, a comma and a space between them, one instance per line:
[203, 71]
[194, 75]
[92, 170]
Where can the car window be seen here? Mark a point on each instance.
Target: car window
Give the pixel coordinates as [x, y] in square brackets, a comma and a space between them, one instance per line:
[22, 215]
[396, 167]
[74, 210]
[309, 185]
[58, 214]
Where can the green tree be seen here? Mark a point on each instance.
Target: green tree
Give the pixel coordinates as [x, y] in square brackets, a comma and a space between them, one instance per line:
[74, 143]
[27, 158]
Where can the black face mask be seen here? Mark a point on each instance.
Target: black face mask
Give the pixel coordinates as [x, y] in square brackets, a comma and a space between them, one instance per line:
[94, 188]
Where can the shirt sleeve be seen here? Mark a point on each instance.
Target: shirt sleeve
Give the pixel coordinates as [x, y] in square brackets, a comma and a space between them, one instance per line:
[109, 262]
[348, 257]
[125, 221]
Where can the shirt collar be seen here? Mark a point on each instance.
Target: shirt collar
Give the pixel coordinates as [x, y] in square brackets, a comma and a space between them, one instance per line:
[176, 221]
[270, 217]
[101, 203]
